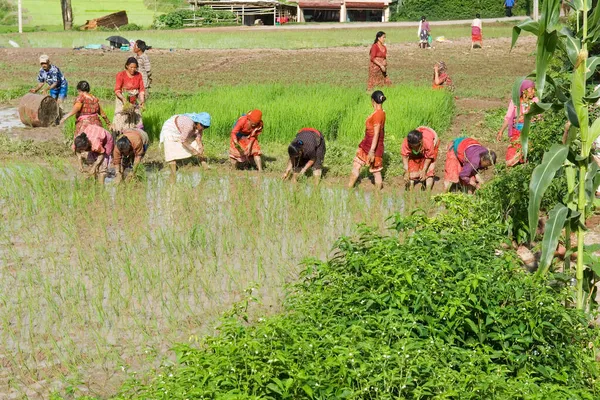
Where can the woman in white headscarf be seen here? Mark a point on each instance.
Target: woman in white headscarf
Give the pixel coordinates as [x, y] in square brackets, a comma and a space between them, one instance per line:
[182, 138]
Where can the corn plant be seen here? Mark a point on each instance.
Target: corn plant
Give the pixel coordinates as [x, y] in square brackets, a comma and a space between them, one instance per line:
[575, 96]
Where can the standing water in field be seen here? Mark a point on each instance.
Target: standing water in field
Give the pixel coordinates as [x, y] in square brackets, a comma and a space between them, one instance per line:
[133, 269]
[9, 118]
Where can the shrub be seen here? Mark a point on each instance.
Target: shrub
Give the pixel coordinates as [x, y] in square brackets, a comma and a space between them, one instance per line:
[437, 315]
[131, 27]
[8, 14]
[454, 9]
[176, 19]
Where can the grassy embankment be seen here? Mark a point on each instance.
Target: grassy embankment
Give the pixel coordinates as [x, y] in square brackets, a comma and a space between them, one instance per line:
[248, 38]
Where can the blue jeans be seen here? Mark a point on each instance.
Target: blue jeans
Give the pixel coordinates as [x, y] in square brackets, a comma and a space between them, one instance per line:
[60, 93]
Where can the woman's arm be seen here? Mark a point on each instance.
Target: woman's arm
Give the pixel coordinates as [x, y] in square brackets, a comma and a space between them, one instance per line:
[374, 143]
[76, 108]
[288, 169]
[104, 116]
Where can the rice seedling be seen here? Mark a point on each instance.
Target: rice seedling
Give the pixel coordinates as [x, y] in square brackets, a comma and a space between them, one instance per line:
[128, 271]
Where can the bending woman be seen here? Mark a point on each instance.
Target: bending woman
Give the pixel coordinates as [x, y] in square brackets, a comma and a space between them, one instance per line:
[130, 93]
[243, 145]
[182, 138]
[306, 151]
[370, 150]
[419, 154]
[378, 63]
[513, 154]
[86, 109]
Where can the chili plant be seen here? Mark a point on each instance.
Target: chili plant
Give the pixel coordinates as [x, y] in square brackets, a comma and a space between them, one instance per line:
[575, 96]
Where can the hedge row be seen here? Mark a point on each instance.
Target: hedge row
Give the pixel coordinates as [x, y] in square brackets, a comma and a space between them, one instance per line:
[455, 9]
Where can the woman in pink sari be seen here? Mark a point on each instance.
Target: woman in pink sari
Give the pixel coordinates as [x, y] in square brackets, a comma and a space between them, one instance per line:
[476, 32]
[515, 124]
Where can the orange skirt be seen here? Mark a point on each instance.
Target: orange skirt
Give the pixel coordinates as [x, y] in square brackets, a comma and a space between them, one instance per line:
[362, 159]
[476, 34]
[453, 167]
[245, 143]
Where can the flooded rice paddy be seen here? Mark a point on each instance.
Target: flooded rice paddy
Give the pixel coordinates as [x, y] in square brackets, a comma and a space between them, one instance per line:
[95, 283]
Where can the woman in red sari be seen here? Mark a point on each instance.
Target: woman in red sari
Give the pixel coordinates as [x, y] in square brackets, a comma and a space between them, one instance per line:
[515, 125]
[370, 150]
[378, 64]
[86, 109]
[243, 145]
[130, 95]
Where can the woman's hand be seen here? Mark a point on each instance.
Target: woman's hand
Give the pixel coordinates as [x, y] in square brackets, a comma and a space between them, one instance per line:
[406, 177]
[499, 136]
[383, 69]
[371, 156]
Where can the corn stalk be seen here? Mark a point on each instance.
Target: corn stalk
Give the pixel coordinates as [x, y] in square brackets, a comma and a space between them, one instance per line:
[574, 156]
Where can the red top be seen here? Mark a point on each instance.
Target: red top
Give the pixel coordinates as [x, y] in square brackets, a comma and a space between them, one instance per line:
[462, 148]
[125, 82]
[428, 150]
[377, 118]
[243, 127]
[378, 51]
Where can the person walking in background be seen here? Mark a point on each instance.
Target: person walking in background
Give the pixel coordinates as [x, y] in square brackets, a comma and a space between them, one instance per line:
[129, 150]
[378, 76]
[424, 33]
[419, 154]
[307, 150]
[508, 6]
[441, 80]
[476, 32]
[243, 145]
[51, 75]
[465, 157]
[527, 98]
[87, 110]
[130, 96]
[370, 149]
[182, 138]
[94, 147]
[144, 67]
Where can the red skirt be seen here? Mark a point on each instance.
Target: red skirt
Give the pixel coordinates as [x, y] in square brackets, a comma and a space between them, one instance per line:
[362, 158]
[453, 167]
[376, 78]
[514, 155]
[476, 34]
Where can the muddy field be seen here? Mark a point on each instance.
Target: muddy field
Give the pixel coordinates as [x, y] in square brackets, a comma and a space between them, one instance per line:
[483, 79]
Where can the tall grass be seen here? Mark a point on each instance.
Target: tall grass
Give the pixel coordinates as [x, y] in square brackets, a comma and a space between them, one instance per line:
[338, 112]
[93, 280]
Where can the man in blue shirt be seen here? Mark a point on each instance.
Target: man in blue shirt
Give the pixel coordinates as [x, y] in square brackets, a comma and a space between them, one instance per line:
[508, 5]
[51, 75]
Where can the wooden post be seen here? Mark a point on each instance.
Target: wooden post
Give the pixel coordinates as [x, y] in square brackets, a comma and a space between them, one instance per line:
[536, 10]
[243, 13]
[20, 16]
[274, 15]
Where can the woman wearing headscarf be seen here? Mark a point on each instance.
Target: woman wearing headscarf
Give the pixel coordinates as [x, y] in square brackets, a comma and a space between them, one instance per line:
[87, 109]
[243, 145]
[378, 63]
[419, 154]
[465, 158]
[130, 96]
[370, 149]
[515, 124]
[424, 33]
[441, 79]
[182, 138]
[307, 150]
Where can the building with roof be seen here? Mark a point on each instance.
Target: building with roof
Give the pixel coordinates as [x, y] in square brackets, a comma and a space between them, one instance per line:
[343, 11]
[250, 12]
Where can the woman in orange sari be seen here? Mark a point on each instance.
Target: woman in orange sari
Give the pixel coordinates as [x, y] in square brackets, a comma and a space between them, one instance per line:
[378, 63]
[370, 150]
[515, 125]
[86, 109]
[243, 145]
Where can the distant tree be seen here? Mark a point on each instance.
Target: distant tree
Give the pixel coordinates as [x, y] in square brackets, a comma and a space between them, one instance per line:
[67, 14]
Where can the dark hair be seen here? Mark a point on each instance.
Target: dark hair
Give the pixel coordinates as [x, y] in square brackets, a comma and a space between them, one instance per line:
[141, 45]
[124, 145]
[294, 148]
[414, 137]
[131, 60]
[477, 16]
[81, 142]
[423, 18]
[378, 97]
[83, 86]
[490, 157]
[378, 35]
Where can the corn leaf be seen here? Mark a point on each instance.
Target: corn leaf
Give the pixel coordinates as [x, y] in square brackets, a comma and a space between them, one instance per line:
[571, 113]
[540, 180]
[592, 65]
[546, 47]
[569, 44]
[552, 231]
[529, 25]
[535, 109]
